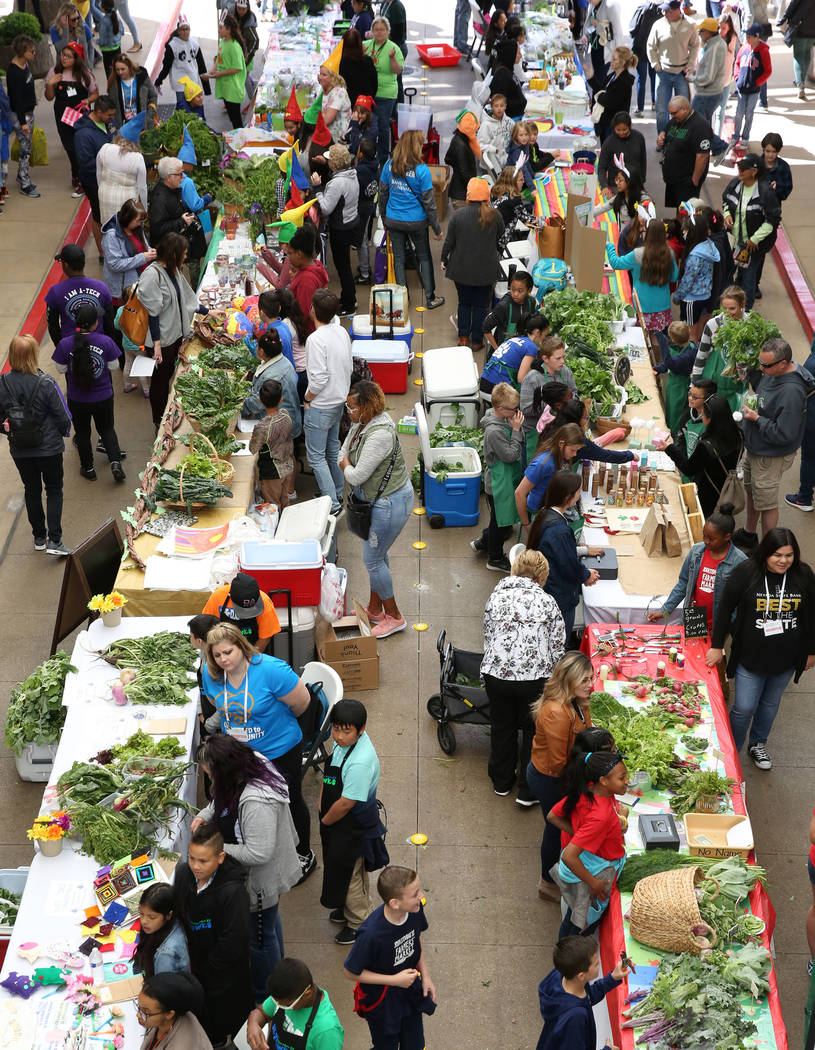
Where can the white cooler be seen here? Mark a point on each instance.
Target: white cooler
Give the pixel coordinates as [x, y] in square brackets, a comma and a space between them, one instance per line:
[450, 377]
[310, 520]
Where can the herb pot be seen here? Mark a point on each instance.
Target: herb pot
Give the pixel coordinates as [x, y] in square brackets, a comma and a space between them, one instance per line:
[231, 226]
[112, 618]
[50, 847]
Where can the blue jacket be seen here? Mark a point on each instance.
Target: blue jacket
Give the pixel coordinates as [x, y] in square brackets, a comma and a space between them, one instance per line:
[88, 140]
[108, 40]
[680, 364]
[567, 573]
[569, 1020]
[654, 298]
[122, 263]
[282, 370]
[172, 955]
[191, 197]
[513, 153]
[696, 284]
[686, 584]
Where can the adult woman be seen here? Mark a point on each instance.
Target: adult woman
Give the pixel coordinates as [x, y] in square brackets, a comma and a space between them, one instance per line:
[336, 105]
[470, 258]
[68, 85]
[171, 304]
[554, 537]
[372, 463]
[653, 269]
[250, 805]
[38, 463]
[87, 357]
[356, 68]
[706, 568]
[387, 57]
[229, 72]
[248, 26]
[716, 453]
[523, 640]
[183, 57]
[507, 53]
[506, 196]
[752, 214]
[768, 609]
[615, 97]
[338, 203]
[235, 670]
[274, 365]
[125, 248]
[68, 27]
[166, 1009]
[407, 206]
[626, 141]
[132, 92]
[728, 31]
[121, 174]
[711, 361]
[560, 714]
[554, 454]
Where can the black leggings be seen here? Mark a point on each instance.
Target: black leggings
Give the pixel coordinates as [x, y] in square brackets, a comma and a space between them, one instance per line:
[100, 413]
[290, 767]
[160, 380]
[233, 110]
[66, 137]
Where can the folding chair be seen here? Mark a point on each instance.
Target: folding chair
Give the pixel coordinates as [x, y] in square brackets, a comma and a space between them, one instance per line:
[315, 753]
[480, 23]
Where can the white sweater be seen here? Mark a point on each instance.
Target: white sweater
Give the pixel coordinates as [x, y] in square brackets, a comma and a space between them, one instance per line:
[328, 364]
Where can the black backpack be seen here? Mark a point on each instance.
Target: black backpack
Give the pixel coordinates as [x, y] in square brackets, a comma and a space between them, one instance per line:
[641, 24]
[24, 427]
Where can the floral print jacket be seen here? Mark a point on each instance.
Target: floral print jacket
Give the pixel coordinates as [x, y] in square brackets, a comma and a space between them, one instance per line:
[524, 634]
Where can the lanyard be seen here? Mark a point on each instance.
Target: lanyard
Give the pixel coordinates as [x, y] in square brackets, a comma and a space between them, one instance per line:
[245, 696]
[780, 597]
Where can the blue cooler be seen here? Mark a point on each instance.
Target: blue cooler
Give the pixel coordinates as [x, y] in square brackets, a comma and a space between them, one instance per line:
[456, 498]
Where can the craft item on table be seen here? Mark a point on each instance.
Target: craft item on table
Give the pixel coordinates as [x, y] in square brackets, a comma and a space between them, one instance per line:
[160, 524]
[119, 991]
[92, 922]
[194, 543]
[120, 970]
[128, 936]
[19, 984]
[123, 881]
[30, 951]
[45, 975]
[109, 946]
[127, 951]
[116, 913]
[63, 953]
[105, 890]
[88, 945]
[93, 910]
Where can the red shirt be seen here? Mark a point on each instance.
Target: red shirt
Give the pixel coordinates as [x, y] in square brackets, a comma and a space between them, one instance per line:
[137, 244]
[305, 283]
[597, 826]
[703, 591]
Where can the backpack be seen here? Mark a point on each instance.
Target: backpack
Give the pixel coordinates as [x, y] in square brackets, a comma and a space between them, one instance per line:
[549, 275]
[641, 25]
[24, 427]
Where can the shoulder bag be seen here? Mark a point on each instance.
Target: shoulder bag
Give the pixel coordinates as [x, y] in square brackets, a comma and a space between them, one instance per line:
[134, 318]
[732, 491]
[358, 511]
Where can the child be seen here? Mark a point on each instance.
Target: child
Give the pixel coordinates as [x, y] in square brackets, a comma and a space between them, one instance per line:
[349, 820]
[695, 286]
[539, 160]
[569, 992]
[624, 202]
[269, 314]
[296, 1007]
[272, 442]
[199, 627]
[514, 357]
[131, 352]
[496, 129]
[192, 98]
[653, 267]
[678, 357]
[368, 179]
[512, 312]
[753, 67]
[363, 124]
[213, 902]
[503, 453]
[394, 985]
[110, 33]
[595, 855]
[162, 944]
[518, 153]
[463, 155]
[506, 196]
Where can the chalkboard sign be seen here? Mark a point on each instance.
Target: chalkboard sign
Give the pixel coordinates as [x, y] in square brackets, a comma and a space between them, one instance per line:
[90, 569]
[695, 621]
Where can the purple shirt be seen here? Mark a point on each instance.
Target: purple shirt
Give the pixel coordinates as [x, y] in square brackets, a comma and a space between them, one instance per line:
[67, 296]
[103, 350]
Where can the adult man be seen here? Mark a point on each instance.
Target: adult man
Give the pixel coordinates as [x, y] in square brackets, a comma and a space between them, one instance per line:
[752, 214]
[802, 499]
[707, 80]
[242, 604]
[673, 45]
[772, 435]
[64, 298]
[91, 133]
[328, 365]
[461, 22]
[167, 213]
[686, 141]
[309, 273]
[642, 22]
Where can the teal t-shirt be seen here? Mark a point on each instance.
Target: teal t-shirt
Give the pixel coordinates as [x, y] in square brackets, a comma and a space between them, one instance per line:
[360, 774]
[326, 1032]
[386, 86]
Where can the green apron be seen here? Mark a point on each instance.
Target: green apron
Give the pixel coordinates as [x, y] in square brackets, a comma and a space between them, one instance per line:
[676, 394]
[504, 479]
[532, 439]
[693, 432]
[730, 388]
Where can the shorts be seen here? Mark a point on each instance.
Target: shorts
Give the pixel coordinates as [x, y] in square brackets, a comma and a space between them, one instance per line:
[762, 477]
[92, 193]
[693, 310]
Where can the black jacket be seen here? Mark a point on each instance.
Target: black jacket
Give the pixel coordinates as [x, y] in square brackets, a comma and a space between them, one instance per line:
[616, 96]
[634, 155]
[218, 936]
[504, 83]
[763, 207]
[707, 466]
[462, 160]
[801, 13]
[360, 77]
[165, 209]
[49, 405]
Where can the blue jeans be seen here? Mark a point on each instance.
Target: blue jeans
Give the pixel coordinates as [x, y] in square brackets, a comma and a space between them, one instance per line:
[745, 108]
[668, 85]
[473, 300]
[714, 8]
[461, 21]
[723, 108]
[321, 428]
[757, 700]
[388, 517]
[801, 54]
[747, 277]
[265, 948]
[806, 483]
[123, 10]
[645, 72]
[707, 106]
[548, 791]
[384, 112]
[421, 245]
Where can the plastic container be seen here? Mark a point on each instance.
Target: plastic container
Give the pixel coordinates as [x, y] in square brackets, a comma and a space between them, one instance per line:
[296, 567]
[438, 55]
[450, 377]
[362, 328]
[455, 499]
[310, 520]
[13, 879]
[36, 762]
[141, 765]
[413, 118]
[388, 359]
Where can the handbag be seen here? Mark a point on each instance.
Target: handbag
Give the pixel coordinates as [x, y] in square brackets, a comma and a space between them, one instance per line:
[732, 491]
[134, 318]
[71, 114]
[358, 511]
[597, 111]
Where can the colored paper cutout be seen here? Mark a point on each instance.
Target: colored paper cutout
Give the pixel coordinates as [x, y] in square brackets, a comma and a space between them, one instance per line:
[128, 936]
[88, 945]
[116, 913]
[93, 910]
[108, 946]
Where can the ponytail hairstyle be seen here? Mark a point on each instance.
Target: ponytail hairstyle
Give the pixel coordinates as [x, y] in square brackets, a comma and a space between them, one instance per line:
[487, 216]
[109, 7]
[82, 365]
[657, 257]
[583, 773]
[291, 310]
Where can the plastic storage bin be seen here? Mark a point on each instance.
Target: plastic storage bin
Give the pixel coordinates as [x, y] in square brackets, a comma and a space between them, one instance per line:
[361, 328]
[456, 498]
[439, 55]
[450, 377]
[296, 567]
[13, 879]
[310, 520]
[413, 118]
[302, 619]
[36, 762]
[389, 361]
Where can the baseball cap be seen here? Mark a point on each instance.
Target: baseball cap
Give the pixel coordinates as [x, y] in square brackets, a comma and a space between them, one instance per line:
[246, 598]
[72, 255]
[753, 30]
[670, 5]
[749, 160]
[710, 25]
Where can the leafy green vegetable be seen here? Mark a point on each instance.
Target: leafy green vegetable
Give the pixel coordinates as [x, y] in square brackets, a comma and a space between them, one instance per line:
[9, 906]
[706, 782]
[88, 782]
[35, 712]
[141, 743]
[235, 357]
[457, 433]
[592, 380]
[260, 177]
[223, 443]
[604, 706]
[644, 745]
[160, 684]
[207, 176]
[741, 341]
[169, 486]
[166, 647]
[635, 395]
[211, 397]
[441, 468]
[583, 316]
[198, 465]
[735, 876]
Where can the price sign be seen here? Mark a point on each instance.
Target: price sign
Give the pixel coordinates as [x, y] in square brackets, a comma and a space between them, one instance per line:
[695, 622]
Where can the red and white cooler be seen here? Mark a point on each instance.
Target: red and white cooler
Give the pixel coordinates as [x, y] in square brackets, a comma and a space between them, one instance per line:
[389, 361]
[281, 565]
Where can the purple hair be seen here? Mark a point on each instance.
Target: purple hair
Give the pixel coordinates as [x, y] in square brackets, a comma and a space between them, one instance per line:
[232, 765]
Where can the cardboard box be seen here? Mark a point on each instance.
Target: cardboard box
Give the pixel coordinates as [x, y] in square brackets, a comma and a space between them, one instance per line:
[348, 646]
[441, 174]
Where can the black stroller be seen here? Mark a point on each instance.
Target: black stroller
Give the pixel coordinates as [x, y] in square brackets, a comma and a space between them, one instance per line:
[457, 701]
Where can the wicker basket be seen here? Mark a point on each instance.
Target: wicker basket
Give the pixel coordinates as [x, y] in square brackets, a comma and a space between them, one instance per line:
[225, 470]
[602, 425]
[664, 910]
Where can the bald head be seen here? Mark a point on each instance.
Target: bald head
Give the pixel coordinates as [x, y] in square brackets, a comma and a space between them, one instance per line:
[679, 108]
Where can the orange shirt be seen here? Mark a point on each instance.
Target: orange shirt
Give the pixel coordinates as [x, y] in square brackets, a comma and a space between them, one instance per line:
[264, 626]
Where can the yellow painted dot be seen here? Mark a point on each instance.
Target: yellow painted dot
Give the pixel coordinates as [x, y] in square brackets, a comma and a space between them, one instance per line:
[419, 545]
[420, 627]
[420, 309]
[418, 331]
[418, 382]
[419, 510]
[418, 839]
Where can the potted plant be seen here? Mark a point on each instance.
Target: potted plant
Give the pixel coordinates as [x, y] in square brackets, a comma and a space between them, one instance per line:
[18, 23]
[36, 716]
[109, 606]
[48, 831]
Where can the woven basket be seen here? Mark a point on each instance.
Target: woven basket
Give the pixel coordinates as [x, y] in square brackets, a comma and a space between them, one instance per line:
[225, 470]
[664, 910]
[603, 425]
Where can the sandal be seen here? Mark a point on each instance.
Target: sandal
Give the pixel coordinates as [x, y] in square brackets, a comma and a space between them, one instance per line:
[136, 47]
[435, 302]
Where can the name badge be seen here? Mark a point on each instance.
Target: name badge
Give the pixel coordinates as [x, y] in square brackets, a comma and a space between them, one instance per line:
[70, 91]
[237, 733]
[773, 627]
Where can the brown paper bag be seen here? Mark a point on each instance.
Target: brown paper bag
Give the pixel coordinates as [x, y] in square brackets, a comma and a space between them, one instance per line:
[552, 238]
[652, 532]
[673, 545]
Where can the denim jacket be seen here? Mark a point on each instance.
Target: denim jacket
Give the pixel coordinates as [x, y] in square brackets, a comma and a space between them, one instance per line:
[172, 955]
[686, 584]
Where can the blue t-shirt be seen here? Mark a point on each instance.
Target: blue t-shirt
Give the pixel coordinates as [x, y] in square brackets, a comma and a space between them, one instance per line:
[384, 948]
[503, 366]
[405, 193]
[102, 350]
[282, 330]
[540, 472]
[271, 727]
[360, 774]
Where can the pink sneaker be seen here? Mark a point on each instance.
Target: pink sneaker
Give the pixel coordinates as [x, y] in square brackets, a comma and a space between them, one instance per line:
[373, 617]
[387, 626]
[129, 388]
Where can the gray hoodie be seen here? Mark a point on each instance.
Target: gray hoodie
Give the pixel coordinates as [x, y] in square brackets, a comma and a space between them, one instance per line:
[782, 408]
[501, 444]
[709, 72]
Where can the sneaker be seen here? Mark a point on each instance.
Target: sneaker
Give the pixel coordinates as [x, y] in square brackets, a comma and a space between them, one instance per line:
[638, 113]
[798, 502]
[361, 278]
[525, 798]
[339, 510]
[117, 472]
[337, 916]
[388, 625]
[348, 313]
[30, 191]
[436, 302]
[128, 388]
[58, 549]
[802, 94]
[478, 545]
[292, 497]
[375, 617]
[89, 473]
[744, 539]
[503, 794]
[39, 543]
[809, 967]
[100, 448]
[757, 294]
[307, 864]
[346, 936]
[761, 759]
[548, 891]
[77, 192]
[499, 564]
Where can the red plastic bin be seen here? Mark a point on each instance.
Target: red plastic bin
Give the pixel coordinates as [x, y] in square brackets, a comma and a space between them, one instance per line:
[438, 55]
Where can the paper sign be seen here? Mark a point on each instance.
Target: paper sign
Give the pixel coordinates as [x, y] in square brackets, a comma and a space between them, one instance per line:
[695, 621]
[195, 543]
[142, 366]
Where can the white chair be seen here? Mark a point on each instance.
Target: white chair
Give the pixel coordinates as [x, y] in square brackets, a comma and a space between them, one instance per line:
[480, 24]
[317, 755]
[515, 550]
